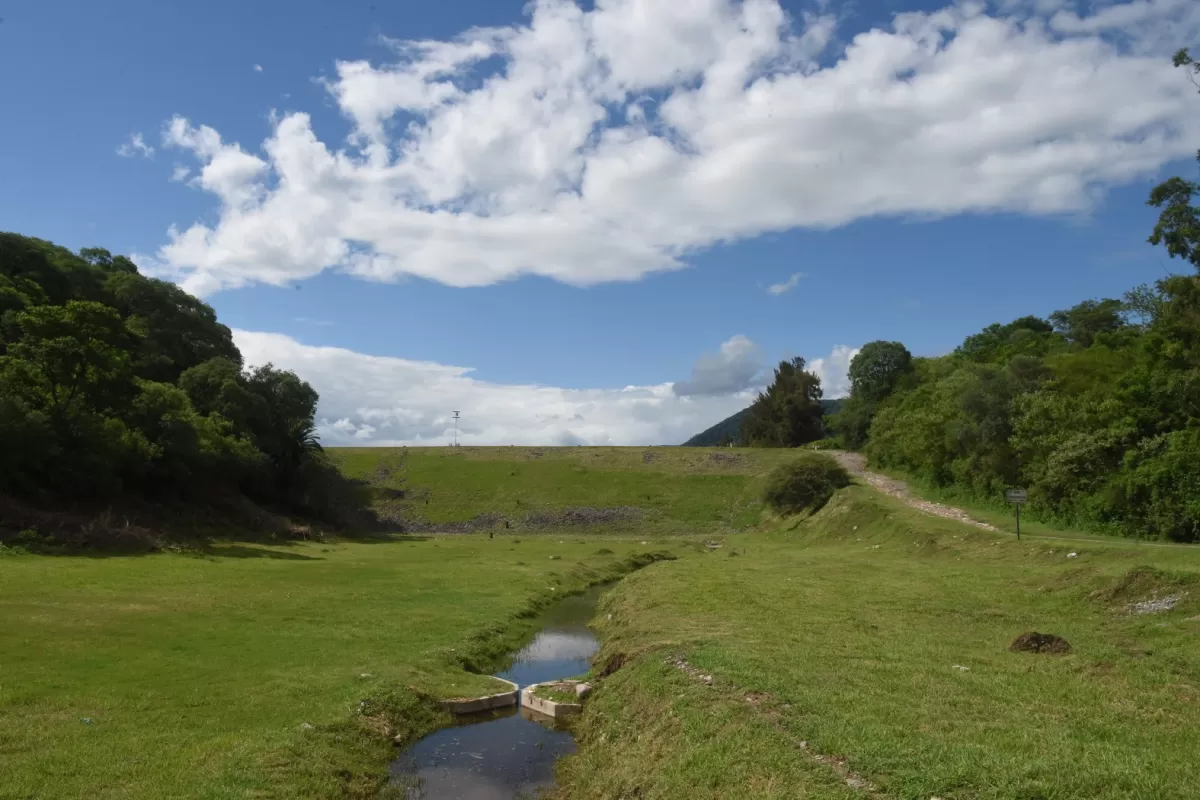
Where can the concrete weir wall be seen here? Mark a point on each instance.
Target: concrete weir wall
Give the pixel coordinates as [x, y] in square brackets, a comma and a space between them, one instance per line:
[485, 703]
[550, 708]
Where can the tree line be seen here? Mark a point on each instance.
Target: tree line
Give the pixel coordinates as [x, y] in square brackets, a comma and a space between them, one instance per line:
[115, 386]
[1095, 409]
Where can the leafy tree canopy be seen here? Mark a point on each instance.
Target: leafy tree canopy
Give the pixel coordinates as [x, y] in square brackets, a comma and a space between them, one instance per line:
[788, 412]
[116, 386]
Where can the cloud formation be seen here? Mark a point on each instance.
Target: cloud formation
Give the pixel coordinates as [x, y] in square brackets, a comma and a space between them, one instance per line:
[605, 144]
[135, 146]
[376, 400]
[733, 368]
[786, 286]
[834, 371]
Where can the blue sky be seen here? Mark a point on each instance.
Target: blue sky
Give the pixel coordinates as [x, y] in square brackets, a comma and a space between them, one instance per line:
[921, 199]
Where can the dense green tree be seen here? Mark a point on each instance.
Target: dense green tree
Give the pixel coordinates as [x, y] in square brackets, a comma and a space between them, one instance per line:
[997, 343]
[1084, 323]
[875, 373]
[71, 359]
[218, 387]
[114, 386]
[877, 369]
[176, 330]
[788, 412]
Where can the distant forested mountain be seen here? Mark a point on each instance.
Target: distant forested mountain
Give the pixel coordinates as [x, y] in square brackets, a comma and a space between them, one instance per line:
[728, 429]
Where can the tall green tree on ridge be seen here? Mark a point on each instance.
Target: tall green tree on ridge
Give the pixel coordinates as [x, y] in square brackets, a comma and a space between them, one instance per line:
[876, 372]
[877, 368]
[788, 412]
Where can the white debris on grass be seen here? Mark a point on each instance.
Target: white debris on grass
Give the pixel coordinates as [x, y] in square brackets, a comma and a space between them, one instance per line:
[1156, 604]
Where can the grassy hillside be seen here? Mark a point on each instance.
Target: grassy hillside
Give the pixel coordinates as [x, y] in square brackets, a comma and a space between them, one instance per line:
[867, 648]
[665, 490]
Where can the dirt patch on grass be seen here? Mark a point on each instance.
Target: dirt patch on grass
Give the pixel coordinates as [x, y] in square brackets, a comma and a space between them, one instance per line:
[582, 516]
[1146, 590]
[614, 663]
[578, 517]
[1034, 642]
[482, 522]
[727, 459]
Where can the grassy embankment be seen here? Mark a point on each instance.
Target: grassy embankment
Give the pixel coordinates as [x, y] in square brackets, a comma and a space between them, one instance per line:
[673, 489]
[197, 674]
[863, 652]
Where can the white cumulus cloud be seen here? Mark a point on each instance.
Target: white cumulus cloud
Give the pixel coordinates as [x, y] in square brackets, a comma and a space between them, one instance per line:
[380, 400]
[833, 370]
[604, 144]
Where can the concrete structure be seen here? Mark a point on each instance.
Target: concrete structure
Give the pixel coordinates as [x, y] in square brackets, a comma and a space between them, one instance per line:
[550, 708]
[487, 702]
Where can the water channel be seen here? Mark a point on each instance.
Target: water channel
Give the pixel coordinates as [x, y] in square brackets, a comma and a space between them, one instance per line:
[508, 753]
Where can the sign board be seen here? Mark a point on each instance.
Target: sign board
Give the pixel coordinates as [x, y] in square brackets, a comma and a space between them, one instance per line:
[1017, 495]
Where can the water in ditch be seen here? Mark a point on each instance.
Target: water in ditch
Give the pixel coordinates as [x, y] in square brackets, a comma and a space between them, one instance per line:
[508, 753]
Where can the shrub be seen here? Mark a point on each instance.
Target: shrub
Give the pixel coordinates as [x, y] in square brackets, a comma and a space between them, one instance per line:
[805, 484]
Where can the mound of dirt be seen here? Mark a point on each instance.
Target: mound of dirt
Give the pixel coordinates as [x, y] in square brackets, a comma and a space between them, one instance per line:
[1040, 643]
[614, 663]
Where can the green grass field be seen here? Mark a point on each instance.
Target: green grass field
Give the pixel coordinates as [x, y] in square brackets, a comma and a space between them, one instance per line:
[834, 644]
[878, 637]
[172, 676]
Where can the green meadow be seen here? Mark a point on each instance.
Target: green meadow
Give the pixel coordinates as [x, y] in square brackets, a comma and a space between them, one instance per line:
[864, 651]
[858, 652]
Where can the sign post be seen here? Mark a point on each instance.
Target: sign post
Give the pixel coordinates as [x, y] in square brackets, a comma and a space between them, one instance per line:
[1017, 497]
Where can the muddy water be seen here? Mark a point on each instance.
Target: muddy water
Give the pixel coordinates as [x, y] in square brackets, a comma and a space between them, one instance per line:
[508, 753]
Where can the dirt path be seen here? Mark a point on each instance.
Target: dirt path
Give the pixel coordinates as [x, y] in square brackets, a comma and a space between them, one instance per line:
[856, 464]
